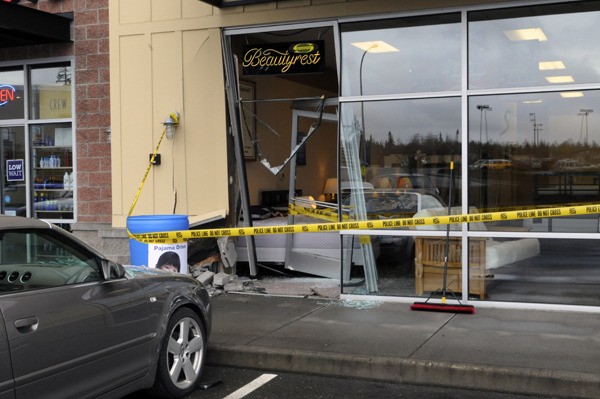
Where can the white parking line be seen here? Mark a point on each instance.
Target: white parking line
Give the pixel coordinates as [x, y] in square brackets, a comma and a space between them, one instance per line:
[251, 386]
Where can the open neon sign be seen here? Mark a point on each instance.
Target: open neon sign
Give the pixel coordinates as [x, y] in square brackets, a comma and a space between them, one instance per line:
[7, 93]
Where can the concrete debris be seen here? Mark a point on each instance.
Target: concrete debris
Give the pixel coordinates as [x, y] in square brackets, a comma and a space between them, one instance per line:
[228, 253]
[205, 277]
[234, 286]
[220, 279]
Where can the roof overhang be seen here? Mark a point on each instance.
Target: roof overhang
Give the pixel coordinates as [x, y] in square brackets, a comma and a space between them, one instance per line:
[24, 26]
[234, 3]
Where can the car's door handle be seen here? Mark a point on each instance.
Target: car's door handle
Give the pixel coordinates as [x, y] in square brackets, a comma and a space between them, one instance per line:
[27, 324]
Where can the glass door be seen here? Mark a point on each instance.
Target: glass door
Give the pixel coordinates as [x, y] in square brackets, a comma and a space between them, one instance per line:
[52, 170]
[13, 161]
[13, 192]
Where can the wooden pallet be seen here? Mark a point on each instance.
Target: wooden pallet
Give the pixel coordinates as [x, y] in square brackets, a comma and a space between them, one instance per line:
[429, 265]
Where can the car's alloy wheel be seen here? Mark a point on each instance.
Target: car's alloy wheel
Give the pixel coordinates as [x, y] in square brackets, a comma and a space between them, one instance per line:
[182, 356]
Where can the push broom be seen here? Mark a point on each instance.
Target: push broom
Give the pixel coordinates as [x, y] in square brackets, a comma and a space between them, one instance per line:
[443, 306]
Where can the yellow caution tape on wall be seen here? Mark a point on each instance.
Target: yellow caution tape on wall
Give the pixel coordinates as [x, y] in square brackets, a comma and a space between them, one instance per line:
[150, 163]
[169, 237]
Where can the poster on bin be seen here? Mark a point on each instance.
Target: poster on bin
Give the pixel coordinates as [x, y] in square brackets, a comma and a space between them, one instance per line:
[171, 257]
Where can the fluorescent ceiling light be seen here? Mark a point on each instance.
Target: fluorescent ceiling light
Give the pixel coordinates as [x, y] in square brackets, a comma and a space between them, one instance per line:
[571, 94]
[547, 65]
[532, 102]
[560, 79]
[526, 34]
[377, 46]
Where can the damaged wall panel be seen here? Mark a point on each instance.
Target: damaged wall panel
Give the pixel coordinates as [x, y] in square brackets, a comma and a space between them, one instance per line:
[206, 143]
[150, 63]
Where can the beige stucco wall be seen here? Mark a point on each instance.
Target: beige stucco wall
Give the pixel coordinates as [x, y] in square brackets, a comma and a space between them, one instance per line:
[165, 56]
[153, 52]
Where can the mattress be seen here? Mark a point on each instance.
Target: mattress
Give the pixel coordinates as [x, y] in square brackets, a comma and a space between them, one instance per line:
[271, 248]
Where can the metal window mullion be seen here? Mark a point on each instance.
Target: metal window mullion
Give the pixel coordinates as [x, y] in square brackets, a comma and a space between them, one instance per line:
[74, 138]
[234, 120]
[289, 238]
[533, 89]
[234, 31]
[464, 153]
[395, 97]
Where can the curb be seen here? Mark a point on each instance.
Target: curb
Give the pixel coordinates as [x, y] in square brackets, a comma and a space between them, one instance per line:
[525, 381]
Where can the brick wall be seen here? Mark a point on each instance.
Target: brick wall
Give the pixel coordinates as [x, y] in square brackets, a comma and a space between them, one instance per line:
[90, 49]
[93, 110]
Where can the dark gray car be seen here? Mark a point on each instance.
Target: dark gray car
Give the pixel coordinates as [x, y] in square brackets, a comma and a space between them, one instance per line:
[75, 325]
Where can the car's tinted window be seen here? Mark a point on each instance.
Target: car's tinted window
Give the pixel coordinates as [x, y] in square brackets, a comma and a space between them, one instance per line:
[33, 260]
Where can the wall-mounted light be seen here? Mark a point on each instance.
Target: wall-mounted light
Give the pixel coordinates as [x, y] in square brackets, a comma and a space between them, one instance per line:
[171, 123]
[107, 132]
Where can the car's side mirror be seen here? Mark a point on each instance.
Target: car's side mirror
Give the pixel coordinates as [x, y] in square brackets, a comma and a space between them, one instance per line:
[112, 270]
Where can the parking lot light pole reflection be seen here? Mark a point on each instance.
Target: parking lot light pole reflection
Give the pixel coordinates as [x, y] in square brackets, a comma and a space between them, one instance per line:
[537, 127]
[363, 135]
[483, 109]
[368, 47]
[584, 116]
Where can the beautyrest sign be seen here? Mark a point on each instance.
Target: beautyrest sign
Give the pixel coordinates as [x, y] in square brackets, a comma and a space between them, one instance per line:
[283, 58]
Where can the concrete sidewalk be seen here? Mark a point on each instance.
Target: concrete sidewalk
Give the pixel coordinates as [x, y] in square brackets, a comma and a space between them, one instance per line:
[545, 353]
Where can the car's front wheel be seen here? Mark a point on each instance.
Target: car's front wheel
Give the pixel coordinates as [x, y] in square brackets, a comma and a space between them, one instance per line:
[182, 356]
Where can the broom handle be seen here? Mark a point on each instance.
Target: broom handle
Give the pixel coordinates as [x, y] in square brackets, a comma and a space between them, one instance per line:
[446, 249]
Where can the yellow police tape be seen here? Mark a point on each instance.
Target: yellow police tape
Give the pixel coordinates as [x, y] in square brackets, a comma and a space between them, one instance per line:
[170, 237]
[324, 214]
[332, 216]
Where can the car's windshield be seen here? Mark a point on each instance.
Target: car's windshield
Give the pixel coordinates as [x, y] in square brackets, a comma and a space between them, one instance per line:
[32, 247]
[31, 259]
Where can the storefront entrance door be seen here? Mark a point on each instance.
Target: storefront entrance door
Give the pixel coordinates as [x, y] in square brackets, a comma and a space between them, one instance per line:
[13, 200]
[314, 253]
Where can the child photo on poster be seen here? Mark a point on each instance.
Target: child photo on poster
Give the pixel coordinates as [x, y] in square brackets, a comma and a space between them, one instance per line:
[169, 257]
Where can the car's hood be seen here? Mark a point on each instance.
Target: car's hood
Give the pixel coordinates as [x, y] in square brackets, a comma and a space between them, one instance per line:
[145, 271]
[150, 276]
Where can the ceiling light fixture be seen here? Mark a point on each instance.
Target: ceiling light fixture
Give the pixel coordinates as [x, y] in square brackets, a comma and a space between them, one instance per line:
[549, 65]
[571, 94]
[526, 34]
[376, 46]
[560, 79]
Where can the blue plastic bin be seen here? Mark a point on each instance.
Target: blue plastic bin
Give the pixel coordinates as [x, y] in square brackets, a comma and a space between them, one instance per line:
[141, 252]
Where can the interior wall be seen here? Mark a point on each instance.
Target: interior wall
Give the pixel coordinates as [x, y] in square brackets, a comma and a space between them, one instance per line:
[276, 147]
